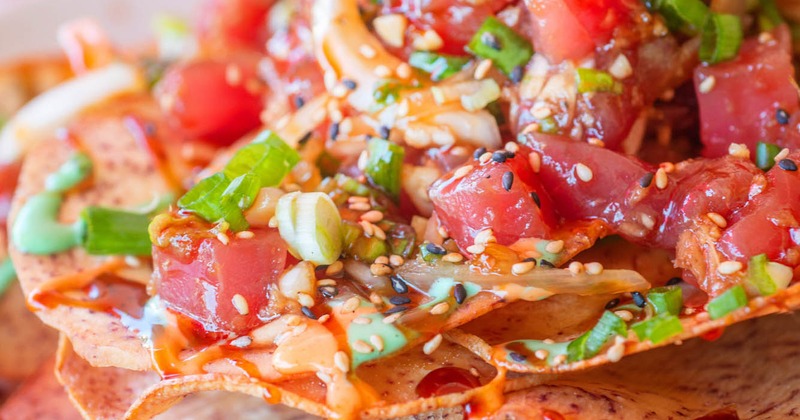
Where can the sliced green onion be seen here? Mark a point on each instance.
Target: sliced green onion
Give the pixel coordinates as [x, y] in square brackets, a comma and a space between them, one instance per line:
[758, 276]
[591, 80]
[722, 37]
[666, 300]
[387, 91]
[225, 195]
[688, 16]
[384, 165]
[311, 225]
[496, 41]
[115, 232]
[658, 328]
[7, 274]
[369, 249]
[769, 16]
[765, 155]
[589, 344]
[439, 66]
[733, 299]
[488, 92]
[267, 157]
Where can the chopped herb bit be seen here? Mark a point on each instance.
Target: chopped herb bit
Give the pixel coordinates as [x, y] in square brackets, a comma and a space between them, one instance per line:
[384, 165]
[769, 16]
[658, 328]
[589, 344]
[387, 91]
[496, 41]
[687, 16]
[765, 155]
[666, 300]
[733, 299]
[439, 66]
[591, 80]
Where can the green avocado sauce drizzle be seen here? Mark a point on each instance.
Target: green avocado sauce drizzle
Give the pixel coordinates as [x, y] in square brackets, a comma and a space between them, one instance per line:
[393, 338]
[36, 229]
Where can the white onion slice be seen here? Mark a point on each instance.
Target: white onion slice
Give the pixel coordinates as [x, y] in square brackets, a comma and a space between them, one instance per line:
[40, 117]
[553, 280]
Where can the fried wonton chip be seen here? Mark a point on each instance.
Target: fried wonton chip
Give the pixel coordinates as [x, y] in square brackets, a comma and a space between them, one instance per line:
[124, 175]
[41, 396]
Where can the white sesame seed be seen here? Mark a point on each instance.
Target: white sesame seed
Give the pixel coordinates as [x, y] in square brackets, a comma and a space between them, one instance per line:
[708, 84]
[365, 225]
[594, 141]
[376, 341]
[668, 167]
[240, 304]
[380, 269]
[361, 346]
[624, 315]
[541, 354]
[593, 268]
[474, 372]
[782, 154]
[403, 71]
[223, 238]
[729, 267]
[366, 51]
[323, 319]
[241, 342]
[531, 128]
[432, 344]
[536, 161]
[462, 171]
[554, 247]
[522, 267]
[739, 150]
[442, 231]
[453, 257]
[383, 259]
[326, 282]
[324, 377]
[392, 318]
[273, 222]
[360, 320]
[661, 179]
[583, 172]
[334, 268]
[476, 249]
[382, 71]
[339, 91]
[647, 221]
[718, 220]
[560, 359]
[483, 68]
[378, 232]
[440, 308]
[305, 299]
[396, 260]
[245, 234]
[615, 352]
[485, 157]
[350, 305]
[621, 67]
[512, 147]
[484, 237]
[132, 261]
[765, 37]
[541, 111]
[341, 361]
[375, 299]
[576, 267]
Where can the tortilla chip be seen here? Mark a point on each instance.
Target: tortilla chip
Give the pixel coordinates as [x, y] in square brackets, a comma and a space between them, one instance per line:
[19, 330]
[124, 176]
[752, 369]
[40, 397]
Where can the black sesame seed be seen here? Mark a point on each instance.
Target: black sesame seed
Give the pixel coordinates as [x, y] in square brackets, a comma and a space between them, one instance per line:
[491, 40]
[395, 310]
[306, 137]
[508, 180]
[398, 284]
[516, 74]
[510, 155]
[519, 358]
[329, 291]
[384, 132]
[299, 102]
[435, 249]
[782, 116]
[536, 199]
[530, 259]
[349, 84]
[546, 264]
[308, 312]
[638, 299]
[478, 153]
[334, 131]
[646, 180]
[460, 293]
[612, 303]
[787, 165]
[399, 300]
[673, 281]
[499, 156]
